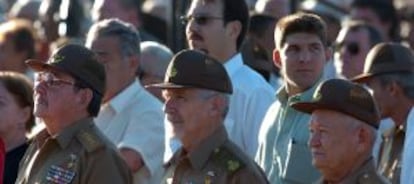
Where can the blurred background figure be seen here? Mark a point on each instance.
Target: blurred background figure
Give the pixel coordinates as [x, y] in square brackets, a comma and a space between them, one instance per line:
[354, 41]
[379, 13]
[60, 18]
[154, 61]
[17, 44]
[128, 11]
[25, 9]
[17, 120]
[273, 8]
[258, 47]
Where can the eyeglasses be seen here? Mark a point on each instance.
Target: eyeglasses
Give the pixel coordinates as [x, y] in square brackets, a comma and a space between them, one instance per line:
[198, 19]
[351, 47]
[51, 80]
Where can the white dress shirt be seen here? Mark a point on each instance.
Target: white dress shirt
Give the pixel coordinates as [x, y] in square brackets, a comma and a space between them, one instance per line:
[134, 119]
[407, 169]
[251, 98]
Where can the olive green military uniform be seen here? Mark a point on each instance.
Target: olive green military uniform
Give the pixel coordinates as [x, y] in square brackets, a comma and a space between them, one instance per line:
[78, 154]
[390, 156]
[366, 174]
[216, 160]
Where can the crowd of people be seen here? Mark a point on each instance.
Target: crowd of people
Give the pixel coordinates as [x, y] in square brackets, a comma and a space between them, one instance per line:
[263, 91]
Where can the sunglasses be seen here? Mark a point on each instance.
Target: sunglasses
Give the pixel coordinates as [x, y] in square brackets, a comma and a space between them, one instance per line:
[198, 19]
[351, 47]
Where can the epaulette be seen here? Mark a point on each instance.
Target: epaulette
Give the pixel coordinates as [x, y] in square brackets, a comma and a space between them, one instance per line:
[228, 160]
[90, 141]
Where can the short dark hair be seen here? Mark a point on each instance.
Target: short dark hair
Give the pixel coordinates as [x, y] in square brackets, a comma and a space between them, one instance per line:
[374, 35]
[300, 23]
[386, 12]
[259, 23]
[236, 10]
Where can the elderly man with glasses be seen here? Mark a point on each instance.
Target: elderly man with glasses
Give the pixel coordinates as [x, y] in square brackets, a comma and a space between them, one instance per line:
[67, 95]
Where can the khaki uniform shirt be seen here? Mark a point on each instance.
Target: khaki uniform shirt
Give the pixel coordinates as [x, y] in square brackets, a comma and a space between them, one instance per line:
[78, 154]
[216, 160]
[366, 174]
[390, 155]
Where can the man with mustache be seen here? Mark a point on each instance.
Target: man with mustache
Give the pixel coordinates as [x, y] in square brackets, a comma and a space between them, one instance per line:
[218, 27]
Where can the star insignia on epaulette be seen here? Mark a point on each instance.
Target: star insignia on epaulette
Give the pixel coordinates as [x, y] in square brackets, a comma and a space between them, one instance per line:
[232, 165]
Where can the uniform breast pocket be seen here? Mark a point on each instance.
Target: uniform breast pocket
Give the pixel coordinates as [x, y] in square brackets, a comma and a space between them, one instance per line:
[299, 167]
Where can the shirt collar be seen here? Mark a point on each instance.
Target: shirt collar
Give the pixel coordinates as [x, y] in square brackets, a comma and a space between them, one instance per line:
[65, 136]
[305, 96]
[233, 64]
[199, 157]
[121, 100]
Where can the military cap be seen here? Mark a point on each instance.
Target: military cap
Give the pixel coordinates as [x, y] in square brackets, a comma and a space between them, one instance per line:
[194, 69]
[77, 61]
[345, 97]
[386, 58]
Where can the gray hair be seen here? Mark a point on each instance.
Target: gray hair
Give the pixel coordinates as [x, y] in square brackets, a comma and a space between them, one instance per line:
[404, 79]
[129, 38]
[162, 55]
[206, 94]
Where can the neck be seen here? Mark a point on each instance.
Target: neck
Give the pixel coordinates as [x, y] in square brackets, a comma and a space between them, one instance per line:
[223, 58]
[337, 176]
[56, 125]
[121, 87]
[400, 112]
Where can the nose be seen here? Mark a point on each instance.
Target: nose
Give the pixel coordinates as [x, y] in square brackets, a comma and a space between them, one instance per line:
[304, 56]
[169, 106]
[314, 140]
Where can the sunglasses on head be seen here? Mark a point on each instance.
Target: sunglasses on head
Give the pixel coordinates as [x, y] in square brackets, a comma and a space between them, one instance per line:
[198, 19]
[351, 47]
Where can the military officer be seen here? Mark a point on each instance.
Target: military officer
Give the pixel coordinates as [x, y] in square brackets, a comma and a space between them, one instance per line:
[343, 129]
[196, 89]
[67, 94]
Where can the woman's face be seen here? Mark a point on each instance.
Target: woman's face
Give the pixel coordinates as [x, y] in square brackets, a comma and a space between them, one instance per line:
[12, 115]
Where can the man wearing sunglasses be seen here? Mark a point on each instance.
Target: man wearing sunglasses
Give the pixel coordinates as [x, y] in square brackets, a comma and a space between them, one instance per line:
[352, 46]
[389, 72]
[217, 28]
[67, 95]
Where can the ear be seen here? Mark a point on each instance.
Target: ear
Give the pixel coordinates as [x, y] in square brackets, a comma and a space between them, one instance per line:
[328, 54]
[394, 89]
[84, 97]
[217, 104]
[276, 59]
[234, 29]
[133, 62]
[363, 139]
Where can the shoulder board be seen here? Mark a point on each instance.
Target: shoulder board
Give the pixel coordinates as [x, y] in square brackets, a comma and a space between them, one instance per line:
[224, 157]
[89, 140]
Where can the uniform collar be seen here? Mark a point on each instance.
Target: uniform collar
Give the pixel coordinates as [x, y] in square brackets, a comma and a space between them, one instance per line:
[363, 174]
[66, 136]
[199, 156]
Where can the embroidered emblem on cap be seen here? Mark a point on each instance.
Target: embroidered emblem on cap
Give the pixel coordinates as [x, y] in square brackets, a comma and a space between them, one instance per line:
[317, 96]
[57, 58]
[173, 72]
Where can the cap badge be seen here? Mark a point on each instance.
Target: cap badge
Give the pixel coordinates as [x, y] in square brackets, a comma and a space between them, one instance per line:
[173, 72]
[317, 96]
[57, 58]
